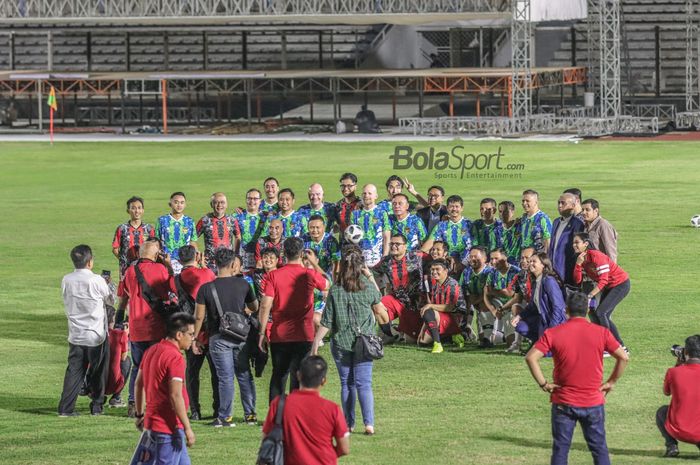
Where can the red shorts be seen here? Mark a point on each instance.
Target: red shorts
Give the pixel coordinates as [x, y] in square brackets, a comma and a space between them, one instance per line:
[410, 321]
[449, 324]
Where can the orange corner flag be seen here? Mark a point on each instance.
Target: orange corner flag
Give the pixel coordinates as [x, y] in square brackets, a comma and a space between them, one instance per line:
[52, 99]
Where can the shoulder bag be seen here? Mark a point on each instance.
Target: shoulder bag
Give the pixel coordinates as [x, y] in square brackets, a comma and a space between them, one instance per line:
[232, 325]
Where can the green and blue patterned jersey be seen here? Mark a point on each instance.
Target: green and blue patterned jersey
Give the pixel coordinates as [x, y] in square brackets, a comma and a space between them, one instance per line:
[511, 243]
[373, 224]
[534, 230]
[175, 233]
[473, 283]
[327, 212]
[251, 227]
[293, 225]
[489, 236]
[412, 228]
[457, 236]
[498, 281]
[327, 251]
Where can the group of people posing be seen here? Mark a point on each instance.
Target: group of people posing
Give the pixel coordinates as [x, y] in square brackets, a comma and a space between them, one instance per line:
[292, 276]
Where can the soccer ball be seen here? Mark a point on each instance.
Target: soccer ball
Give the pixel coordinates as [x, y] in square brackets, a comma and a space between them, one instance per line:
[695, 221]
[353, 234]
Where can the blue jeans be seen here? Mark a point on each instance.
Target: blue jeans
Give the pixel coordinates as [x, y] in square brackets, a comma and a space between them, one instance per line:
[231, 358]
[171, 449]
[592, 421]
[137, 350]
[355, 382]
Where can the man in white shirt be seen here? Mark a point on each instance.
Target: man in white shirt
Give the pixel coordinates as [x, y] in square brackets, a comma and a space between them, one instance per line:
[84, 293]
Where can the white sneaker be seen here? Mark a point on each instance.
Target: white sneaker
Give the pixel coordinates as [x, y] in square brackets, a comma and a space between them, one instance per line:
[606, 354]
[514, 348]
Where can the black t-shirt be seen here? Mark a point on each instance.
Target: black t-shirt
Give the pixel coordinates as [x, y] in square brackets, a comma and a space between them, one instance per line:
[234, 293]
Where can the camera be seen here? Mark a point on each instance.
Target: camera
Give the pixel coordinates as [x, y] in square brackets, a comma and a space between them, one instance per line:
[679, 352]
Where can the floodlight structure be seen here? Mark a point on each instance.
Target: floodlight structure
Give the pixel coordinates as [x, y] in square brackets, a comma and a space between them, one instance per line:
[592, 46]
[692, 84]
[609, 21]
[521, 63]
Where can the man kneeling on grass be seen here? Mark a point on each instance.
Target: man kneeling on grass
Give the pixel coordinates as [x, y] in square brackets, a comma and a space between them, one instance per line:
[445, 309]
[577, 394]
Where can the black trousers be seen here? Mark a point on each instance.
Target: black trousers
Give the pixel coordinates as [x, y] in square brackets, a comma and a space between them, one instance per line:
[286, 358]
[194, 366]
[609, 299]
[85, 364]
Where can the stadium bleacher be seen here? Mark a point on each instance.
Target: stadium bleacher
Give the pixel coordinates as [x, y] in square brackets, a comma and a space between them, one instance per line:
[641, 17]
[185, 50]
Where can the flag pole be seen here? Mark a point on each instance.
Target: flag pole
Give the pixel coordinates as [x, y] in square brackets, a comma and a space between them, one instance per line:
[51, 125]
[53, 106]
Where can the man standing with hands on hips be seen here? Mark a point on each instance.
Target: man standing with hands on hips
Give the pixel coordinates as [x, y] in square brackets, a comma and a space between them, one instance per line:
[161, 398]
[577, 391]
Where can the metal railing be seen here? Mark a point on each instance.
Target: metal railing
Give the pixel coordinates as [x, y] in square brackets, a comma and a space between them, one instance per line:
[662, 111]
[84, 9]
[539, 123]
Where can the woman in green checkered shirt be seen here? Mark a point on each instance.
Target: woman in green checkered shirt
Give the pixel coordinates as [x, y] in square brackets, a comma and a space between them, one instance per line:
[349, 308]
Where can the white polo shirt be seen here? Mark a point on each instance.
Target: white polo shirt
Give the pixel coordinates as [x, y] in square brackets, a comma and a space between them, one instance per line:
[83, 297]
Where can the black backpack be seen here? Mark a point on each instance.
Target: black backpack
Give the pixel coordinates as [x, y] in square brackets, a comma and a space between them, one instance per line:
[272, 447]
[184, 300]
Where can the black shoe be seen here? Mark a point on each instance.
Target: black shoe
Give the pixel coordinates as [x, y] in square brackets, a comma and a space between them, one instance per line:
[251, 419]
[96, 410]
[672, 451]
[69, 414]
[195, 415]
[219, 423]
[485, 343]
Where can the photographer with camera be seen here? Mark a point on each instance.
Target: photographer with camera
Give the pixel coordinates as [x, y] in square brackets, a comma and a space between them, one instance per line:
[146, 326]
[680, 421]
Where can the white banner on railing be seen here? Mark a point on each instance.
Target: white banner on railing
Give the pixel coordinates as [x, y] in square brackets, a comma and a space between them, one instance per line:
[558, 10]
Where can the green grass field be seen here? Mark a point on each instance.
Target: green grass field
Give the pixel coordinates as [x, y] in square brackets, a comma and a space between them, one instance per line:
[462, 407]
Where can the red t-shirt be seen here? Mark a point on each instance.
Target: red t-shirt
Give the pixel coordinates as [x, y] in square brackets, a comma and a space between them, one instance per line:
[161, 364]
[683, 420]
[577, 347]
[292, 309]
[191, 279]
[118, 345]
[601, 269]
[144, 324]
[310, 423]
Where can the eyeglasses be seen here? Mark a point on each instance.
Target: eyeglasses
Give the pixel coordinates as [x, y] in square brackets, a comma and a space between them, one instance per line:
[252, 198]
[434, 196]
[346, 186]
[189, 334]
[396, 244]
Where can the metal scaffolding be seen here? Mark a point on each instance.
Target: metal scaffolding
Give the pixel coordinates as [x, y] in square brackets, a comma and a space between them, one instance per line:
[610, 101]
[691, 58]
[592, 46]
[521, 63]
[109, 9]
